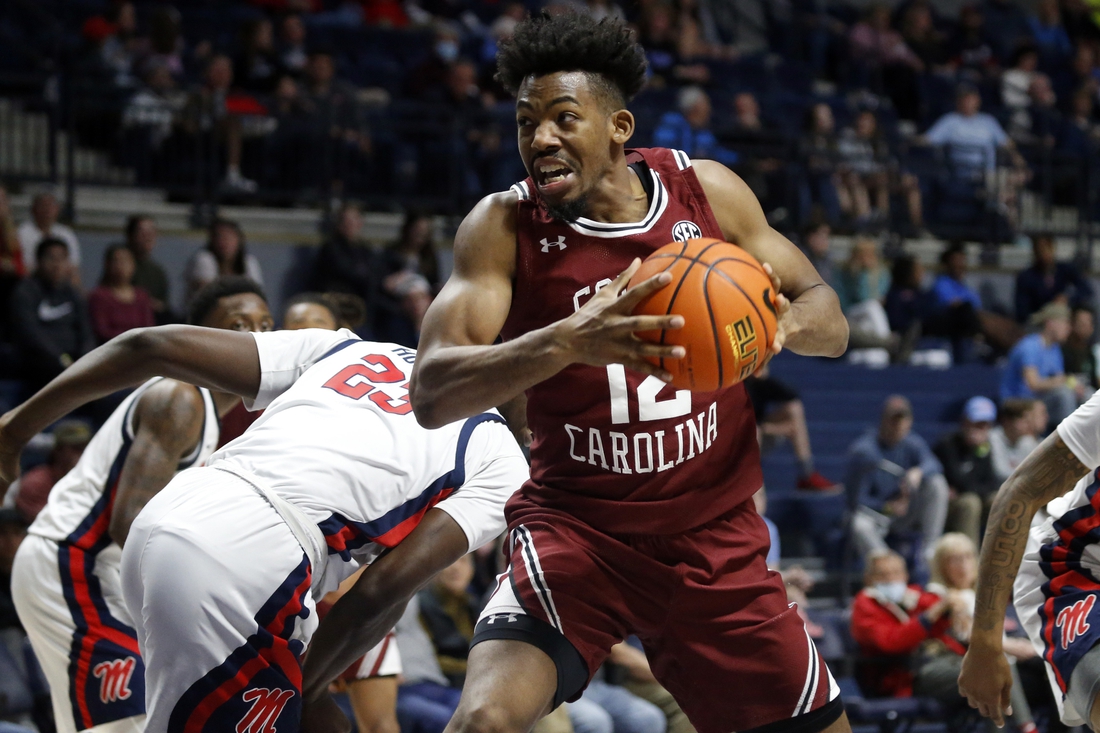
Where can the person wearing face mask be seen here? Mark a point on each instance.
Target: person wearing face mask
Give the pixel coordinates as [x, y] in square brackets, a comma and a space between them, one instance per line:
[891, 621]
[430, 76]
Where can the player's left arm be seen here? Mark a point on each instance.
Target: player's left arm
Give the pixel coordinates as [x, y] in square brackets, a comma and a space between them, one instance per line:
[168, 423]
[813, 324]
[1048, 472]
[226, 361]
[367, 612]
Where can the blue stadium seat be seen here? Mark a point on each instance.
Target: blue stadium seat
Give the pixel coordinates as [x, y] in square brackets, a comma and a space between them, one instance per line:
[16, 697]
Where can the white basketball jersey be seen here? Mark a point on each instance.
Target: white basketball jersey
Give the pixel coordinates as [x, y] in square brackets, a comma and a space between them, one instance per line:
[1080, 431]
[338, 439]
[80, 504]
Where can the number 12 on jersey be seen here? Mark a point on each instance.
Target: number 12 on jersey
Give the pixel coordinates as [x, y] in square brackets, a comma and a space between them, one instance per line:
[649, 407]
[358, 381]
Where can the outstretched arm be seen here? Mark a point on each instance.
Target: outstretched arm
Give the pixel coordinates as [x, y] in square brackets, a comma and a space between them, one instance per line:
[814, 325]
[227, 361]
[366, 613]
[168, 423]
[1049, 472]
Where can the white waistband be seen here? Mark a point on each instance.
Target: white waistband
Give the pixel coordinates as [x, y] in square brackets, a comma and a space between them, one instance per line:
[305, 530]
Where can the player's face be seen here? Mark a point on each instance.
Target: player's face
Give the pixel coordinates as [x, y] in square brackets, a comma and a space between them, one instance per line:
[241, 312]
[565, 135]
[308, 315]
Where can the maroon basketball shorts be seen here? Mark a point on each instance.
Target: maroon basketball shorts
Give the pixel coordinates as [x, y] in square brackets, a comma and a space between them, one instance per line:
[715, 622]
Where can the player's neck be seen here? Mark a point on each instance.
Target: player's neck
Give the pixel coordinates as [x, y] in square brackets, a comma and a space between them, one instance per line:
[619, 198]
[224, 402]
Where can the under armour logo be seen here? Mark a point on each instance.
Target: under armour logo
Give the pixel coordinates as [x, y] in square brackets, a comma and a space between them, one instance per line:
[267, 706]
[546, 244]
[685, 230]
[509, 617]
[114, 679]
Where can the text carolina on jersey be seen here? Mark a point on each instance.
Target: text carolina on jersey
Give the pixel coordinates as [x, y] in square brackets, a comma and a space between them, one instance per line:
[644, 452]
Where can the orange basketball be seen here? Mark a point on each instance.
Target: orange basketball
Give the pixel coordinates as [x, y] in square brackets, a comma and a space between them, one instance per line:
[728, 306]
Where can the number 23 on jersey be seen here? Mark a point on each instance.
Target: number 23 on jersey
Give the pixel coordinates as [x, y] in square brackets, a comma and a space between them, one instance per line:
[360, 380]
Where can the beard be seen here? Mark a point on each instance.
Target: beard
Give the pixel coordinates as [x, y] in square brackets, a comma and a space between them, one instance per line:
[567, 211]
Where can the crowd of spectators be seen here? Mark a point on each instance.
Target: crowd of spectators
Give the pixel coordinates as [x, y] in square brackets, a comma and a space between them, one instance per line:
[398, 98]
[283, 104]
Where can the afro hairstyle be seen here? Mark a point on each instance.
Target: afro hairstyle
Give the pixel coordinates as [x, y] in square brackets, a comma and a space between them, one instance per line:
[206, 300]
[546, 44]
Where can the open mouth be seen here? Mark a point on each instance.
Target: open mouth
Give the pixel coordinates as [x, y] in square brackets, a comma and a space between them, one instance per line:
[551, 174]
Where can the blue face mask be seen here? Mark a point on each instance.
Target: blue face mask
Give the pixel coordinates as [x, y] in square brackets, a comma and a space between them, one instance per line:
[892, 592]
[447, 51]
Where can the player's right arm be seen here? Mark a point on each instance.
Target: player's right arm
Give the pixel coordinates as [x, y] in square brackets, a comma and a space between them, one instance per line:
[1050, 471]
[168, 424]
[222, 360]
[460, 372]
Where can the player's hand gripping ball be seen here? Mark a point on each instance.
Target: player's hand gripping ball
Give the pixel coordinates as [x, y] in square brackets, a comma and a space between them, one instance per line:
[728, 305]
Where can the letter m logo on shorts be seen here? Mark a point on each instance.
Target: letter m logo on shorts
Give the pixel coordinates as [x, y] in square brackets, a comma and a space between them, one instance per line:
[267, 706]
[1074, 620]
[114, 679]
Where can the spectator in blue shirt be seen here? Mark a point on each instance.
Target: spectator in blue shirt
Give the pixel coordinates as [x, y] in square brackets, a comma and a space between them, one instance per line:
[899, 481]
[1050, 35]
[971, 136]
[689, 129]
[1035, 369]
[954, 305]
[1047, 280]
[950, 288]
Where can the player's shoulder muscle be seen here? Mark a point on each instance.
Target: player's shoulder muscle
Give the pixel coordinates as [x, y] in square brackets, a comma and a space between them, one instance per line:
[171, 413]
[485, 244]
[734, 205]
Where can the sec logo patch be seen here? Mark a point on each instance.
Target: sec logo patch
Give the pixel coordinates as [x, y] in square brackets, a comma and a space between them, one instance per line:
[685, 230]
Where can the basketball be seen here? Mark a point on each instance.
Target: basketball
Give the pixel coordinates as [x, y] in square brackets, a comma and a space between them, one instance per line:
[728, 306]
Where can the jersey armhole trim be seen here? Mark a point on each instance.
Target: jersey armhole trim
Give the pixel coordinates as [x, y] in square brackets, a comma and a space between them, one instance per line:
[208, 408]
[521, 190]
[683, 162]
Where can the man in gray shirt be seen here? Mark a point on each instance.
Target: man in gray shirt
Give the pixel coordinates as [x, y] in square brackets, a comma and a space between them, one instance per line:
[899, 481]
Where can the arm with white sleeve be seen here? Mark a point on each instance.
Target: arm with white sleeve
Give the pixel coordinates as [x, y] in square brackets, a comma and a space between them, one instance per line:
[256, 366]
[1052, 470]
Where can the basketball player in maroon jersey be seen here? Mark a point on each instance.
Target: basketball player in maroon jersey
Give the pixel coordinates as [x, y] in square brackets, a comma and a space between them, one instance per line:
[638, 518]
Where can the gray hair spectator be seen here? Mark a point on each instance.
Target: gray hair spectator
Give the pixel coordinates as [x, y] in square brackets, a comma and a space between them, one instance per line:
[43, 223]
[898, 480]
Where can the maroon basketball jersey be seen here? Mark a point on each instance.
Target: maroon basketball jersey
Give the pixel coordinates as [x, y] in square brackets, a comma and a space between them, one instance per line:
[624, 452]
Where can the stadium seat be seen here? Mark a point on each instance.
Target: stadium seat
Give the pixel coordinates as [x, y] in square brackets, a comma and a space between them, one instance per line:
[16, 696]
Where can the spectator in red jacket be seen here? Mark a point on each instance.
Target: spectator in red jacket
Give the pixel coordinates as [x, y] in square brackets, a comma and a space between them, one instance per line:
[891, 620]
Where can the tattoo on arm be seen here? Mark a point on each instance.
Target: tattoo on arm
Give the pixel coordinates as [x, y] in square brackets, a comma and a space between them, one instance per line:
[1049, 472]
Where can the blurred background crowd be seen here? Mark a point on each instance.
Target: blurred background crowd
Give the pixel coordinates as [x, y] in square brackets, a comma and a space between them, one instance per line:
[937, 161]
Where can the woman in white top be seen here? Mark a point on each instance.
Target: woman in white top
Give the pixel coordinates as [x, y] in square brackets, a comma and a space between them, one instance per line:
[224, 254]
[954, 575]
